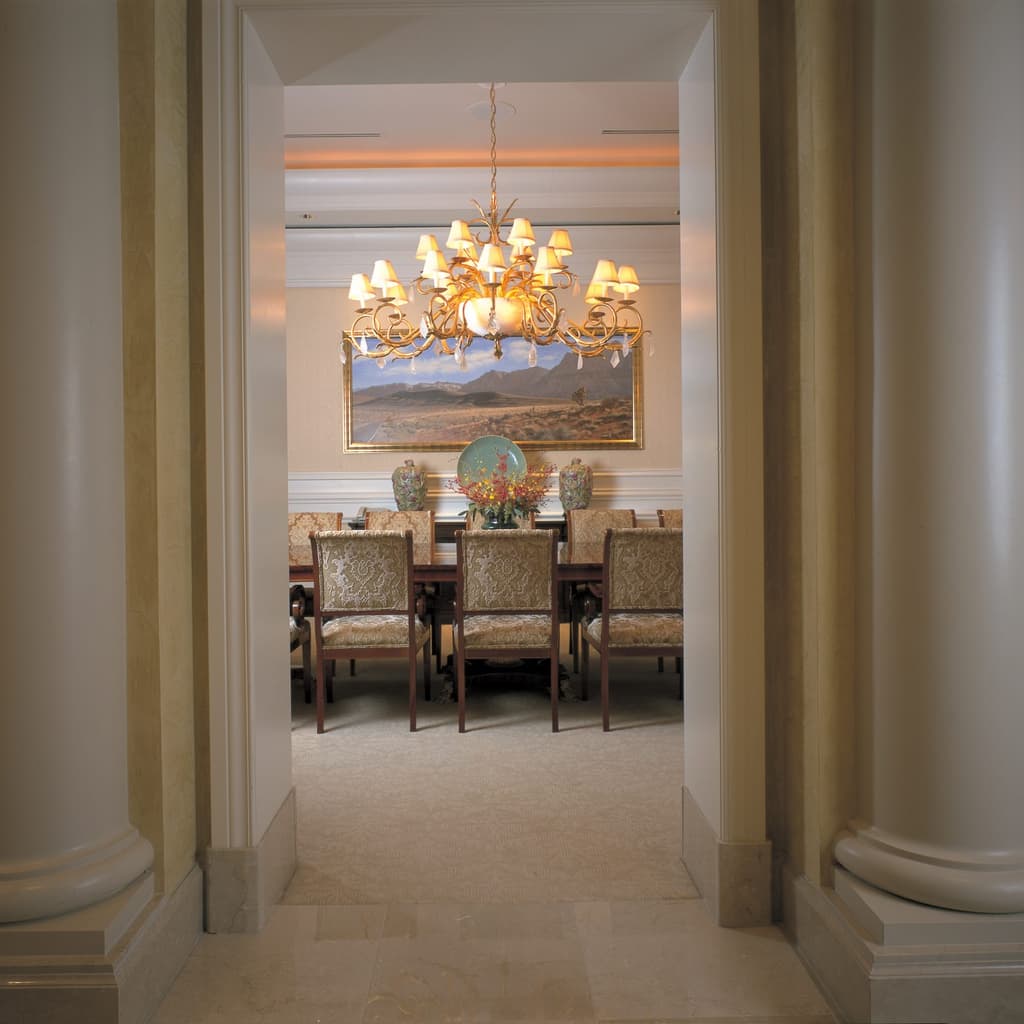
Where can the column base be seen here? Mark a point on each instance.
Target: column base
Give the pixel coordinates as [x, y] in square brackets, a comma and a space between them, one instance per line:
[880, 959]
[242, 884]
[733, 878]
[111, 963]
[983, 884]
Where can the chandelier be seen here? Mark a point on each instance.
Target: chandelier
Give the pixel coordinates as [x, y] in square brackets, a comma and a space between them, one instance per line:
[506, 290]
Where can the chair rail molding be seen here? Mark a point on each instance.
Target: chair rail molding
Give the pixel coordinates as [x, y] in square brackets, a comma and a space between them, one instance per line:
[645, 490]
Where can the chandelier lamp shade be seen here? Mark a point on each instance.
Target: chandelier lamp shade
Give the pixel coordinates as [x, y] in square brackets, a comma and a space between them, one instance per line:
[492, 286]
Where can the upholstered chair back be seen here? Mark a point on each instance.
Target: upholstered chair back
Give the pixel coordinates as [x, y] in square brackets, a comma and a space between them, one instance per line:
[356, 570]
[421, 523]
[300, 526]
[587, 527]
[671, 517]
[507, 570]
[644, 570]
[475, 521]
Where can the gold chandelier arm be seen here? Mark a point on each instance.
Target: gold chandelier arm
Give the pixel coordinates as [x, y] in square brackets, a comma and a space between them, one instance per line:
[522, 302]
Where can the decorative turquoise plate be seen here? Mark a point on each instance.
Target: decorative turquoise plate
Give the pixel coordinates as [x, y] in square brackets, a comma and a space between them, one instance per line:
[479, 459]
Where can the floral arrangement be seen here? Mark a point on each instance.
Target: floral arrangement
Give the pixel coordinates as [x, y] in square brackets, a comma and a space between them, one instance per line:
[502, 495]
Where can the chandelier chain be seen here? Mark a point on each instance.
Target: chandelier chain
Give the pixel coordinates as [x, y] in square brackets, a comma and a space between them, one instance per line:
[494, 166]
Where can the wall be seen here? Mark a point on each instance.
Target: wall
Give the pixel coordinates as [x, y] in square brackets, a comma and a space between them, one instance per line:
[158, 515]
[266, 461]
[315, 318]
[807, 117]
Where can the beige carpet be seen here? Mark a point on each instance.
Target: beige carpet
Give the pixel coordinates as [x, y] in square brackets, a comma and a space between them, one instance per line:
[508, 812]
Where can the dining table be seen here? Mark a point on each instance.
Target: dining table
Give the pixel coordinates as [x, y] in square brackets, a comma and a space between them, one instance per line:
[581, 565]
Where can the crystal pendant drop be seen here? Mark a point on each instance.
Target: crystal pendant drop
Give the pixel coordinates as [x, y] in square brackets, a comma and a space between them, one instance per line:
[531, 359]
[412, 365]
[579, 362]
[492, 322]
[615, 359]
[363, 347]
[342, 355]
[424, 327]
[381, 363]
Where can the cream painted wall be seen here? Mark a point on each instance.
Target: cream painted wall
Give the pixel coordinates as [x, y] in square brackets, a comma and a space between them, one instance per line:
[158, 499]
[315, 316]
[701, 413]
[266, 458]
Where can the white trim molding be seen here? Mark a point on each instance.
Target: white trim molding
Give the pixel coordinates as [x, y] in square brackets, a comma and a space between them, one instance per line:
[645, 490]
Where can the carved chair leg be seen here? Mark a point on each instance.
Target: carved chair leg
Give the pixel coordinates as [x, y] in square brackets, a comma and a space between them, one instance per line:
[554, 694]
[605, 718]
[307, 671]
[585, 676]
[426, 672]
[460, 674]
[321, 671]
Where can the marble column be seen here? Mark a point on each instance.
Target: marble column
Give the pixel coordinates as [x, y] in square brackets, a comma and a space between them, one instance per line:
[66, 842]
[942, 326]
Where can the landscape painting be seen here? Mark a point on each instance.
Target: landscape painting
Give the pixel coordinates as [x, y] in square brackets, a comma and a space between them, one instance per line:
[434, 405]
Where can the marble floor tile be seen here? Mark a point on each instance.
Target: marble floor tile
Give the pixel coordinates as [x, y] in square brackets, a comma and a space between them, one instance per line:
[647, 961]
[479, 963]
[308, 964]
[666, 960]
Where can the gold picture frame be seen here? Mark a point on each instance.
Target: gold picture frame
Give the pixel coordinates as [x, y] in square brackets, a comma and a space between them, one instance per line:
[429, 404]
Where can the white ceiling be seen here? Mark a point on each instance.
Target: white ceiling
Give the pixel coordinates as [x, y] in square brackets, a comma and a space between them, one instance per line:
[552, 123]
[374, 142]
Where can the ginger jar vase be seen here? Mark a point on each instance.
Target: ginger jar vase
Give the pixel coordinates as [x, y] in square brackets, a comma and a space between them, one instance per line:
[410, 486]
[575, 484]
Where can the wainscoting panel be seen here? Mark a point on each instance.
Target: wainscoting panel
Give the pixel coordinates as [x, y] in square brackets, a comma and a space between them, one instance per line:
[645, 490]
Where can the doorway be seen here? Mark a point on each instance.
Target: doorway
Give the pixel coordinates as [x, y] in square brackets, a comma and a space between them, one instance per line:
[243, 73]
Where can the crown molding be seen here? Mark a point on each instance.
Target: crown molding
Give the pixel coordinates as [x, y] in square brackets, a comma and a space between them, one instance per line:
[596, 194]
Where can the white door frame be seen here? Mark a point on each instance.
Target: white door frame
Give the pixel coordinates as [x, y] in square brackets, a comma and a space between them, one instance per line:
[722, 459]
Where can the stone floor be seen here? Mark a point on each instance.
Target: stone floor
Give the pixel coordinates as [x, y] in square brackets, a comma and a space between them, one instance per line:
[632, 961]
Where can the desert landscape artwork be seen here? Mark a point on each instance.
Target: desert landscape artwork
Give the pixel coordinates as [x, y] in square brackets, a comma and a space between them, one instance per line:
[439, 406]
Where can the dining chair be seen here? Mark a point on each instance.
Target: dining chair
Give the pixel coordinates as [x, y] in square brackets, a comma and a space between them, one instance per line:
[586, 528]
[300, 526]
[475, 521]
[671, 517]
[364, 605]
[421, 522]
[299, 635]
[642, 606]
[506, 602]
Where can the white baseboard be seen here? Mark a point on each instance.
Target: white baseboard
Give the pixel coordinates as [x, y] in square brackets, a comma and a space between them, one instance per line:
[934, 980]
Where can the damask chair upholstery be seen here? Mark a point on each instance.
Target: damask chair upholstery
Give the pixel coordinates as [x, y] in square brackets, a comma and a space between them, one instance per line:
[642, 608]
[300, 526]
[364, 605]
[586, 528]
[671, 517]
[299, 635]
[300, 555]
[422, 525]
[475, 520]
[506, 602]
